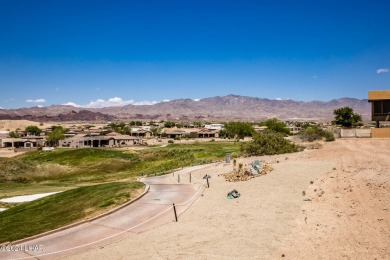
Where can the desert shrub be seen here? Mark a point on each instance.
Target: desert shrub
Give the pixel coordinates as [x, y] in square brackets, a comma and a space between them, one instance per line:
[212, 140]
[329, 136]
[269, 144]
[312, 133]
[315, 132]
[277, 126]
[171, 142]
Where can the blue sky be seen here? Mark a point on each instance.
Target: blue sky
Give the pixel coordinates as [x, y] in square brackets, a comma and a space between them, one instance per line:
[101, 53]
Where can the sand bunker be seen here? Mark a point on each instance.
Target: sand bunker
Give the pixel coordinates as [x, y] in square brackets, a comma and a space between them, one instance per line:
[26, 198]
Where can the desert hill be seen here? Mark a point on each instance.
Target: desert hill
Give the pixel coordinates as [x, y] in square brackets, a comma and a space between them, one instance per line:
[230, 107]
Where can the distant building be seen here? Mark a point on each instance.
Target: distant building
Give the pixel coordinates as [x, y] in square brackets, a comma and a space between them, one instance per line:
[380, 111]
[30, 141]
[214, 126]
[208, 133]
[259, 129]
[179, 132]
[143, 127]
[82, 141]
[294, 129]
[139, 132]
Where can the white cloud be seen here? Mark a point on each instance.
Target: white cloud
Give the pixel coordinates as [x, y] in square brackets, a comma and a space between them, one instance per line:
[384, 70]
[145, 103]
[280, 99]
[71, 104]
[196, 99]
[39, 100]
[1, 108]
[111, 102]
[40, 106]
[165, 100]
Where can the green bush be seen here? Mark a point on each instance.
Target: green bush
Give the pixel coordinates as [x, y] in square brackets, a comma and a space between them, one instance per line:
[237, 130]
[310, 134]
[277, 126]
[315, 132]
[269, 144]
[171, 142]
[329, 136]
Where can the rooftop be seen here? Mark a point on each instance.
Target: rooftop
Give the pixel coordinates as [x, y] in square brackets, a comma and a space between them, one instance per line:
[378, 95]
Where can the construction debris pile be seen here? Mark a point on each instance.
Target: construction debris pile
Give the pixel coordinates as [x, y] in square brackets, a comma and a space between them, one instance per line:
[246, 173]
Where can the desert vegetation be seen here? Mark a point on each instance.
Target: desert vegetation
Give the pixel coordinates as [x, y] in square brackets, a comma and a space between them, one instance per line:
[268, 144]
[277, 126]
[346, 117]
[237, 130]
[315, 132]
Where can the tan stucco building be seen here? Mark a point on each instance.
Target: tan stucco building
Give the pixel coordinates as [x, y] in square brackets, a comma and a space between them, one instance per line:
[380, 111]
[81, 141]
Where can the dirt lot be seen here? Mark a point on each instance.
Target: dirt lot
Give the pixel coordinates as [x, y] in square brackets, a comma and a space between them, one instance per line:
[8, 152]
[12, 125]
[343, 213]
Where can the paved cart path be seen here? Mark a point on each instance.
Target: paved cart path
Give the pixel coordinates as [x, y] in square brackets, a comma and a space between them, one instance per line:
[153, 209]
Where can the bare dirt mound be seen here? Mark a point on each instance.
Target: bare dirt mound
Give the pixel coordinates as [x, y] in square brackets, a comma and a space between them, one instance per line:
[349, 213]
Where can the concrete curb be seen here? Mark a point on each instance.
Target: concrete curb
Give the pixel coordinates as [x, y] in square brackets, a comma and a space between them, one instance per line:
[80, 222]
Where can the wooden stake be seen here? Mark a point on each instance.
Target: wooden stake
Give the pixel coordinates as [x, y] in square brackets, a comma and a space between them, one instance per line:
[174, 209]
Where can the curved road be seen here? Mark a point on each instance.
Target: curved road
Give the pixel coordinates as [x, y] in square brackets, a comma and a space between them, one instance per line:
[153, 209]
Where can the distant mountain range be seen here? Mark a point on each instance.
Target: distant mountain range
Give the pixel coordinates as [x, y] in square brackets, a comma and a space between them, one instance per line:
[231, 107]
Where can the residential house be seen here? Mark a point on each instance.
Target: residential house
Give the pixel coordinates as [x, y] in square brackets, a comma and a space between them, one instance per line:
[208, 133]
[214, 126]
[29, 141]
[82, 141]
[380, 111]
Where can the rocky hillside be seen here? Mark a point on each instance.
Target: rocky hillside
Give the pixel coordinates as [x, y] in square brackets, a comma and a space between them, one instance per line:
[231, 107]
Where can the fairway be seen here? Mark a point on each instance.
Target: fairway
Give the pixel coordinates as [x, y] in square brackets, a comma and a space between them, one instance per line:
[92, 181]
[63, 208]
[80, 167]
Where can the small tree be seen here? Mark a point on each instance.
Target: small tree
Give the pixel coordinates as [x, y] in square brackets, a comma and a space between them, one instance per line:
[346, 117]
[239, 130]
[125, 130]
[154, 131]
[197, 124]
[13, 134]
[34, 130]
[222, 133]
[169, 124]
[56, 135]
[277, 126]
